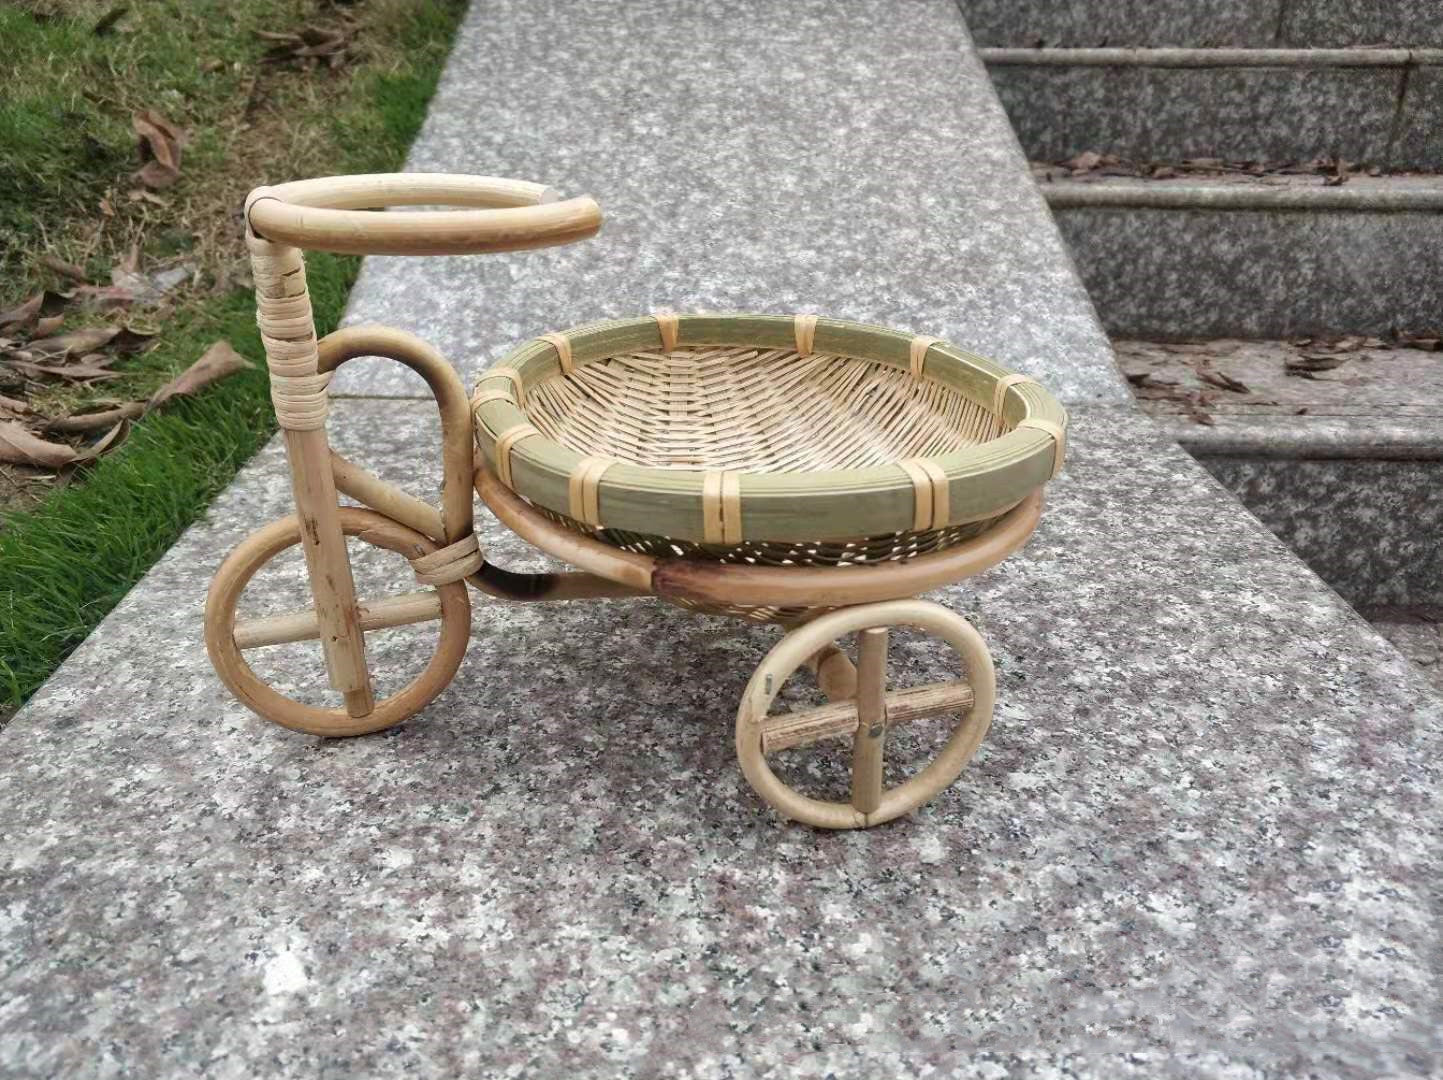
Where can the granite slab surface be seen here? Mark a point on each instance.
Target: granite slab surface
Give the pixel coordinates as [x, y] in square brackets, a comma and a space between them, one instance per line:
[1201, 835]
[842, 159]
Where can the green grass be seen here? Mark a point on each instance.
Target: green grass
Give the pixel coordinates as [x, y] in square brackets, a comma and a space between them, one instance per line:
[65, 563]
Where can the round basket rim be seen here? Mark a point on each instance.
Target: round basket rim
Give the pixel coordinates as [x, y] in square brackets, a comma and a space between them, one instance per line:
[974, 483]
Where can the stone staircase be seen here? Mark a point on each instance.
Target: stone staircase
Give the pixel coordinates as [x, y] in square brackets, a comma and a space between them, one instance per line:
[1251, 193]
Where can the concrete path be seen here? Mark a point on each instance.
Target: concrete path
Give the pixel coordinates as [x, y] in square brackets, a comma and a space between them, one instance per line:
[1199, 841]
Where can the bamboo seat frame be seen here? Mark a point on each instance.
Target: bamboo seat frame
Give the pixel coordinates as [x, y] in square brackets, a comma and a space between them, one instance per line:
[649, 455]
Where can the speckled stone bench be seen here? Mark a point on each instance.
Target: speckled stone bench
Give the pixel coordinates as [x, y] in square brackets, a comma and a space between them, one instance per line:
[1200, 836]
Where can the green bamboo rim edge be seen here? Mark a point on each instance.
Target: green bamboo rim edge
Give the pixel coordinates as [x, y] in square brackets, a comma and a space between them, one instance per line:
[840, 504]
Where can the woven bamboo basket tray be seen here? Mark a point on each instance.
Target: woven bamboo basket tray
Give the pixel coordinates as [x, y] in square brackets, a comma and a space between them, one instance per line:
[766, 440]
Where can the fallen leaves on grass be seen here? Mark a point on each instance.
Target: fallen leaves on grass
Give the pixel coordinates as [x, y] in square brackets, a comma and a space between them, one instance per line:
[13, 407]
[20, 445]
[311, 45]
[94, 421]
[88, 340]
[159, 145]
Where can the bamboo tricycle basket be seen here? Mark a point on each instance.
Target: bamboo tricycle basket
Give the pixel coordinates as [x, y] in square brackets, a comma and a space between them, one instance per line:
[810, 472]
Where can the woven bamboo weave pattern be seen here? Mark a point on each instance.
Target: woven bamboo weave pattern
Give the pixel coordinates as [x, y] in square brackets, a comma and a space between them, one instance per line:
[752, 409]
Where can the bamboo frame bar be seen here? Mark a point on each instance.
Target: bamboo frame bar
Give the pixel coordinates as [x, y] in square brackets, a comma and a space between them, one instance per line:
[506, 215]
[416, 607]
[288, 332]
[803, 727]
[871, 728]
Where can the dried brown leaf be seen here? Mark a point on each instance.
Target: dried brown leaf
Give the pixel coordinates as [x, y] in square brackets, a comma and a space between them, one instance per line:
[159, 146]
[102, 297]
[21, 315]
[131, 410]
[14, 407]
[90, 369]
[47, 326]
[19, 447]
[41, 305]
[1222, 380]
[110, 18]
[1407, 340]
[63, 268]
[1307, 365]
[108, 441]
[216, 363]
[75, 342]
[141, 195]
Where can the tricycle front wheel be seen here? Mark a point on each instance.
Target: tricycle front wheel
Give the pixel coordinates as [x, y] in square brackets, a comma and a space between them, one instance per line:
[225, 638]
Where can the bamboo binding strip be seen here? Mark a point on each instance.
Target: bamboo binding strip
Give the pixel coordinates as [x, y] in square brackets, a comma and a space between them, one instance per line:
[563, 351]
[806, 332]
[931, 487]
[666, 324]
[583, 489]
[917, 354]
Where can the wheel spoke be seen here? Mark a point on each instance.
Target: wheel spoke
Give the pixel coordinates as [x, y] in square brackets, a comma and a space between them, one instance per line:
[786, 731]
[415, 607]
[871, 720]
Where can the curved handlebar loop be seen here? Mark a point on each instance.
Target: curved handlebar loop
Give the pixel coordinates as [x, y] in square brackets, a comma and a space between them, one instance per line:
[501, 215]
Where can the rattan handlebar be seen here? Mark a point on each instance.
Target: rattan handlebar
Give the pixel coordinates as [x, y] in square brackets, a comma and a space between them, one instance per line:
[499, 215]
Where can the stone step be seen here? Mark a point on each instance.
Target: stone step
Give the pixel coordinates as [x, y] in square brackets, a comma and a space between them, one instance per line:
[1246, 23]
[1376, 106]
[1336, 444]
[1254, 256]
[1417, 634]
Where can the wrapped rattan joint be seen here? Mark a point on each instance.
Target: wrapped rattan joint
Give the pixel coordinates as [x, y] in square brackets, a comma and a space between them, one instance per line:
[481, 397]
[301, 401]
[450, 563]
[721, 507]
